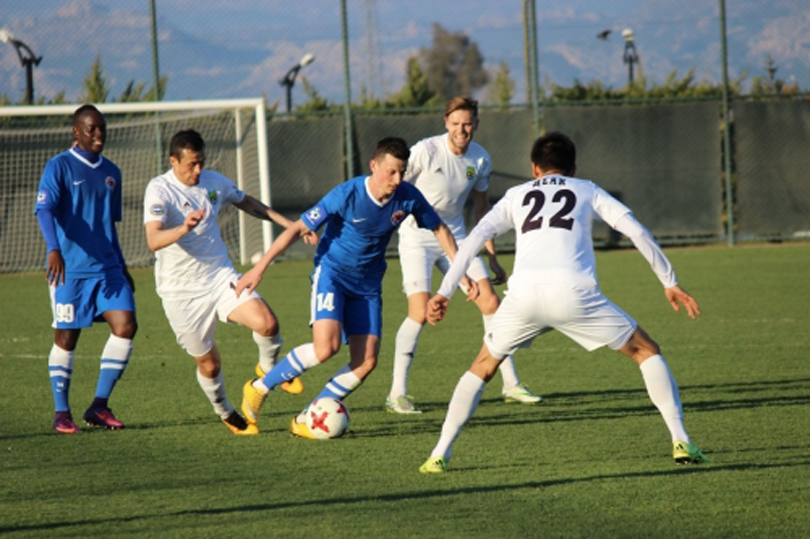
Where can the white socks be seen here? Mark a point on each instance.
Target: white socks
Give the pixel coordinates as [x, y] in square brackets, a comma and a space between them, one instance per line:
[462, 405]
[268, 349]
[214, 389]
[507, 366]
[405, 348]
[663, 392]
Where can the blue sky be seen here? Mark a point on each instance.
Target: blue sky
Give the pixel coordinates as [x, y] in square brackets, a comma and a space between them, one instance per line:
[241, 48]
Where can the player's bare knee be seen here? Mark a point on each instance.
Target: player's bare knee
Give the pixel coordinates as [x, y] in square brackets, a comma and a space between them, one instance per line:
[66, 339]
[640, 347]
[488, 301]
[325, 350]
[208, 368]
[269, 326]
[124, 327]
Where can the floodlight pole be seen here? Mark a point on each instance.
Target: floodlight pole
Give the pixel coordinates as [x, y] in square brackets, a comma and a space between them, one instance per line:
[159, 163]
[28, 60]
[289, 79]
[630, 55]
[727, 130]
[347, 104]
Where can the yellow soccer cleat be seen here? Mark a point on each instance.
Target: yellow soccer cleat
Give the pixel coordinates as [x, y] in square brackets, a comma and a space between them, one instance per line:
[434, 465]
[300, 429]
[237, 424]
[252, 400]
[686, 453]
[293, 387]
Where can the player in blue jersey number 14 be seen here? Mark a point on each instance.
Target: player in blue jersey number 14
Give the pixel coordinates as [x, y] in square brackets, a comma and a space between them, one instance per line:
[360, 216]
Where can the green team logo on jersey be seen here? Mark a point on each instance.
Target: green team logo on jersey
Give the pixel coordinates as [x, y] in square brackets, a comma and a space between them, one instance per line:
[213, 196]
[470, 173]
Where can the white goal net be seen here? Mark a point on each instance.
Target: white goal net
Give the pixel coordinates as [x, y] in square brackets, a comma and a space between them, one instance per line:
[138, 135]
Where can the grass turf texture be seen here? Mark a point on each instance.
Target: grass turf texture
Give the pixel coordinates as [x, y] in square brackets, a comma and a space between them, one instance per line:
[593, 461]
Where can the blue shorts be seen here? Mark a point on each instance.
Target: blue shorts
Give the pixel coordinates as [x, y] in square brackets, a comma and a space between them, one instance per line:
[336, 297]
[82, 300]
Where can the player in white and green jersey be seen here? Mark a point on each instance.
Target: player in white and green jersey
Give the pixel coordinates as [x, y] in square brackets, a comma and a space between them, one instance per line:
[447, 169]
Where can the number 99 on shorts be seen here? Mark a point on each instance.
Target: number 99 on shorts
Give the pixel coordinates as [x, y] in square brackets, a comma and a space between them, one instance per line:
[65, 313]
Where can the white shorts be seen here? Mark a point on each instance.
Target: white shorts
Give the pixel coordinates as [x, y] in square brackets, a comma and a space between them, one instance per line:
[531, 308]
[194, 320]
[417, 266]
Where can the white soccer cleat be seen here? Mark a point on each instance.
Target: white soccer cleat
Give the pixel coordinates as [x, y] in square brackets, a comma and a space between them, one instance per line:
[402, 405]
[521, 394]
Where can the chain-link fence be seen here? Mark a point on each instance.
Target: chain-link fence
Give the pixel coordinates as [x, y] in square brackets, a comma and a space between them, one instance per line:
[637, 87]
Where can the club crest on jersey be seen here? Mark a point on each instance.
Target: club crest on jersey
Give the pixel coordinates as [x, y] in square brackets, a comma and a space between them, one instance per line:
[397, 217]
[470, 173]
[110, 181]
[213, 196]
[314, 214]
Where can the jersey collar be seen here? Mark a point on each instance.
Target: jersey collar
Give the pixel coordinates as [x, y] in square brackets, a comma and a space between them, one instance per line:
[371, 196]
[78, 154]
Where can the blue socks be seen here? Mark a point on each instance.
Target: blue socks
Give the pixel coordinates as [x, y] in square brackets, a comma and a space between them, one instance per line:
[114, 360]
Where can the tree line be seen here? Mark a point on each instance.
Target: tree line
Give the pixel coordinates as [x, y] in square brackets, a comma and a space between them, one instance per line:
[453, 65]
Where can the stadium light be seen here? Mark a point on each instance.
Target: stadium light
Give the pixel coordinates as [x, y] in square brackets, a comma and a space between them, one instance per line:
[289, 79]
[630, 55]
[28, 60]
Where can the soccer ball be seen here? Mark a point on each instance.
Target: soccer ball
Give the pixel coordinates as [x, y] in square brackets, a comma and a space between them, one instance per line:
[327, 418]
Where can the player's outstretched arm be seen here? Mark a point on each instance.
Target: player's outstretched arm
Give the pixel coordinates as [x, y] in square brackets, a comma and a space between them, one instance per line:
[256, 208]
[158, 237]
[253, 277]
[436, 309]
[677, 296]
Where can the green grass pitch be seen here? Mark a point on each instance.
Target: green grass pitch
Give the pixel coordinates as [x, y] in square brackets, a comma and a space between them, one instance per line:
[594, 460]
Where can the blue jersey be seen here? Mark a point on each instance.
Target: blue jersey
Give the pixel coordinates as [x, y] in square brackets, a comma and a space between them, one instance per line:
[85, 200]
[359, 227]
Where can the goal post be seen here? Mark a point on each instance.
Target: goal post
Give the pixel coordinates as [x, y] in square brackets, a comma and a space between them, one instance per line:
[235, 133]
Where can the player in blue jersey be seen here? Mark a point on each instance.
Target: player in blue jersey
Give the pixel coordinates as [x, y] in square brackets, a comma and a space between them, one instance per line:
[78, 204]
[360, 216]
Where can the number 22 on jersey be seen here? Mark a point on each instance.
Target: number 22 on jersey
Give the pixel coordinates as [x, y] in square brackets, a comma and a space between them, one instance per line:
[537, 199]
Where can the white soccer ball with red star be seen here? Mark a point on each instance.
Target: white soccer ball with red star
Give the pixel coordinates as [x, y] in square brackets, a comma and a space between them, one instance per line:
[327, 418]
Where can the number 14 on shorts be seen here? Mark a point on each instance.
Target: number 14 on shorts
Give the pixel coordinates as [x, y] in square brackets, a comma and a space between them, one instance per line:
[325, 301]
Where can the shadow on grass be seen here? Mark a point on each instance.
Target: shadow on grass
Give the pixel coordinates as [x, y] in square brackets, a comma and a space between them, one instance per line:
[591, 406]
[411, 495]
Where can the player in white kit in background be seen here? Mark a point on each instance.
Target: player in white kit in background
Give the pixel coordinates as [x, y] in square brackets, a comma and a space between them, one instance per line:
[554, 286]
[446, 169]
[194, 275]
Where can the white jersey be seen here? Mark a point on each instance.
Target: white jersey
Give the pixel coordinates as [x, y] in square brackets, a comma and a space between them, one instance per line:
[446, 180]
[189, 267]
[553, 218]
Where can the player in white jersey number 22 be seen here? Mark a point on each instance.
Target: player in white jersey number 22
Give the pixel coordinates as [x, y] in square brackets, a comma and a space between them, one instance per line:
[554, 286]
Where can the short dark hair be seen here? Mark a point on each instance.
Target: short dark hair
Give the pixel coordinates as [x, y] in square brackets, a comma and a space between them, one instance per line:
[84, 109]
[185, 140]
[393, 146]
[555, 151]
